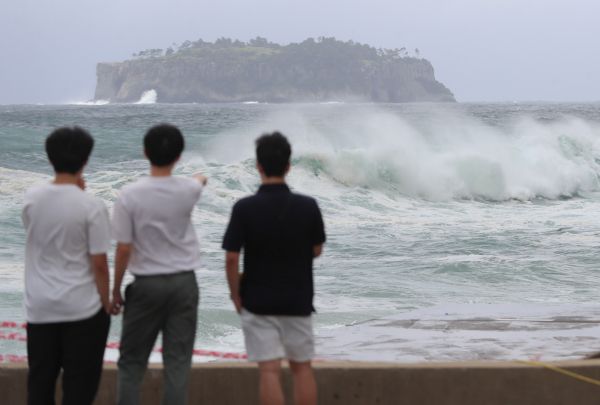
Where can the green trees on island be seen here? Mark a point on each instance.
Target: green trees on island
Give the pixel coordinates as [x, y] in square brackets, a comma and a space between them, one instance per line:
[322, 47]
[313, 65]
[148, 53]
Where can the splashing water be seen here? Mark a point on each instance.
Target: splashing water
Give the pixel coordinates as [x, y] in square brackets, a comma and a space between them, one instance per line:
[424, 204]
[148, 97]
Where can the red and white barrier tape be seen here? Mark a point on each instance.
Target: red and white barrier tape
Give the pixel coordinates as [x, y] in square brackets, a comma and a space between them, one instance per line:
[11, 324]
[13, 336]
[222, 355]
[12, 358]
[116, 345]
[197, 352]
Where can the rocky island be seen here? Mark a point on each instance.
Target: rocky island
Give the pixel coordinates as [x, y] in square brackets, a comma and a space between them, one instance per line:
[319, 70]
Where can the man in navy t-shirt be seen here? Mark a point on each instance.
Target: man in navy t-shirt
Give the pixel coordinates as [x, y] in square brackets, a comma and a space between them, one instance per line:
[280, 233]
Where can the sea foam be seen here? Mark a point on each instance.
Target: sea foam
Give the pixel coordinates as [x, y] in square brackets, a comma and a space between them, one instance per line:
[447, 157]
[471, 161]
[423, 204]
[148, 97]
[92, 102]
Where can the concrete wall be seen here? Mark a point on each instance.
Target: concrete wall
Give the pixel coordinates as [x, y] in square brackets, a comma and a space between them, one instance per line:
[475, 383]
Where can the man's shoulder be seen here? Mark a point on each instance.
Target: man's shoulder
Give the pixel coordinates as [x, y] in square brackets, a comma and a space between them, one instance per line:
[257, 199]
[305, 199]
[132, 191]
[134, 186]
[36, 191]
[43, 191]
[183, 182]
[247, 202]
[146, 183]
[305, 203]
[92, 200]
[69, 197]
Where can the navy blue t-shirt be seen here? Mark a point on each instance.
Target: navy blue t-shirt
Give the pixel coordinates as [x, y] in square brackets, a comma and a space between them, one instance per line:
[277, 258]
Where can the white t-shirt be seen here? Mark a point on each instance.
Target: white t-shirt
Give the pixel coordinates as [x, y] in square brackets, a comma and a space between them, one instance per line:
[64, 226]
[154, 215]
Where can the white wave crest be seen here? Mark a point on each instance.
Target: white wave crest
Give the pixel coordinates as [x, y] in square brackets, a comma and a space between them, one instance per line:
[16, 182]
[92, 102]
[441, 157]
[469, 160]
[148, 97]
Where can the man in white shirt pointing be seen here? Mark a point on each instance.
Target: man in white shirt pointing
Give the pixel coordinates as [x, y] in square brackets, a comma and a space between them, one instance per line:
[157, 242]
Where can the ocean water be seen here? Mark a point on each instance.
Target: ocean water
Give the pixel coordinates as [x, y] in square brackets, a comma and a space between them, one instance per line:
[424, 204]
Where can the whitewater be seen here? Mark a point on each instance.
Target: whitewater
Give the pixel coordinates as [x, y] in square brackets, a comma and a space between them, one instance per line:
[424, 204]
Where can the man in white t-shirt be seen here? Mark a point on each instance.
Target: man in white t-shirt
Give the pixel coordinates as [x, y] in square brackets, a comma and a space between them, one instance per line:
[66, 300]
[157, 242]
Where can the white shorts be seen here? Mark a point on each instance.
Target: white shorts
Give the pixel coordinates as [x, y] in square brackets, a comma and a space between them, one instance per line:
[271, 337]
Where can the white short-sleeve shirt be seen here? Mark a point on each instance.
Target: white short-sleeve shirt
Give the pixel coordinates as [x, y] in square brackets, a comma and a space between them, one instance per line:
[154, 216]
[64, 226]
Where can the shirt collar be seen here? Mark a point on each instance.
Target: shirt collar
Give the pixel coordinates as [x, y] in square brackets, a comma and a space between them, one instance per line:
[269, 188]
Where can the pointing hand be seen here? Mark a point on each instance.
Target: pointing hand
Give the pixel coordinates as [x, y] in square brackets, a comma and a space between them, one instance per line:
[201, 178]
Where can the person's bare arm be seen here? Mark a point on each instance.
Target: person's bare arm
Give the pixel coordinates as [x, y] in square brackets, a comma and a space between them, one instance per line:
[102, 276]
[201, 178]
[122, 256]
[232, 268]
[317, 249]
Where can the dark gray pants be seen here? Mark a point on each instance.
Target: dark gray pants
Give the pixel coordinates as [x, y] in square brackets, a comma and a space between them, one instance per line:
[167, 303]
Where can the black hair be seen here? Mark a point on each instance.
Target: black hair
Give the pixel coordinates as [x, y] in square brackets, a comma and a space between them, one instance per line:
[163, 144]
[69, 148]
[273, 152]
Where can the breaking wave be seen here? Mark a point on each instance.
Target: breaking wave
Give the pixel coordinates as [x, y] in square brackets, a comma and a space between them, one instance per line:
[148, 97]
[449, 157]
[550, 161]
[93, 102]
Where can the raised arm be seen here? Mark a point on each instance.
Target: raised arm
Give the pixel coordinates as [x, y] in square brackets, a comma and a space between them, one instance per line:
[201, 178]
[122, 256]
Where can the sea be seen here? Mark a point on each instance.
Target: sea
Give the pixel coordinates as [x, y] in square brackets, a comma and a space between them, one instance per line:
[424, 204]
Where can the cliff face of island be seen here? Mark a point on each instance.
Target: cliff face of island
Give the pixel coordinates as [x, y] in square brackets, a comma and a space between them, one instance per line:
[327, 70]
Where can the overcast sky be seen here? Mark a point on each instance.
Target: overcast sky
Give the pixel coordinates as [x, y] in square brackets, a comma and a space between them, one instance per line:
[482, 50]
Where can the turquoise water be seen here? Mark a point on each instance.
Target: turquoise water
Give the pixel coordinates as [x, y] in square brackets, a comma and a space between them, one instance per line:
[424, 204]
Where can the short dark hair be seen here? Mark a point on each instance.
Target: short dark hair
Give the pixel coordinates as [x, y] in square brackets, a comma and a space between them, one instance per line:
[69, 148]
[273, 152]
[163, 144]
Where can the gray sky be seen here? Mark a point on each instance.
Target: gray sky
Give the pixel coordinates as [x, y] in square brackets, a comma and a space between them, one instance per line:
[482, 50]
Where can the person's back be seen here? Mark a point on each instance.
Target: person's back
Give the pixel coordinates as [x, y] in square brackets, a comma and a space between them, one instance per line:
[66, 300]
[281, 230]
[157, 242]
[280, 234]
[59, 280]
[159, 220]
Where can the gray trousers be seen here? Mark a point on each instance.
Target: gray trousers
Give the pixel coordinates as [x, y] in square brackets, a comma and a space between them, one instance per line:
[167, 303]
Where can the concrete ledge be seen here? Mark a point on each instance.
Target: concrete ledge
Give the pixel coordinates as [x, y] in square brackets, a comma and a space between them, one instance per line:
[465, 383]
